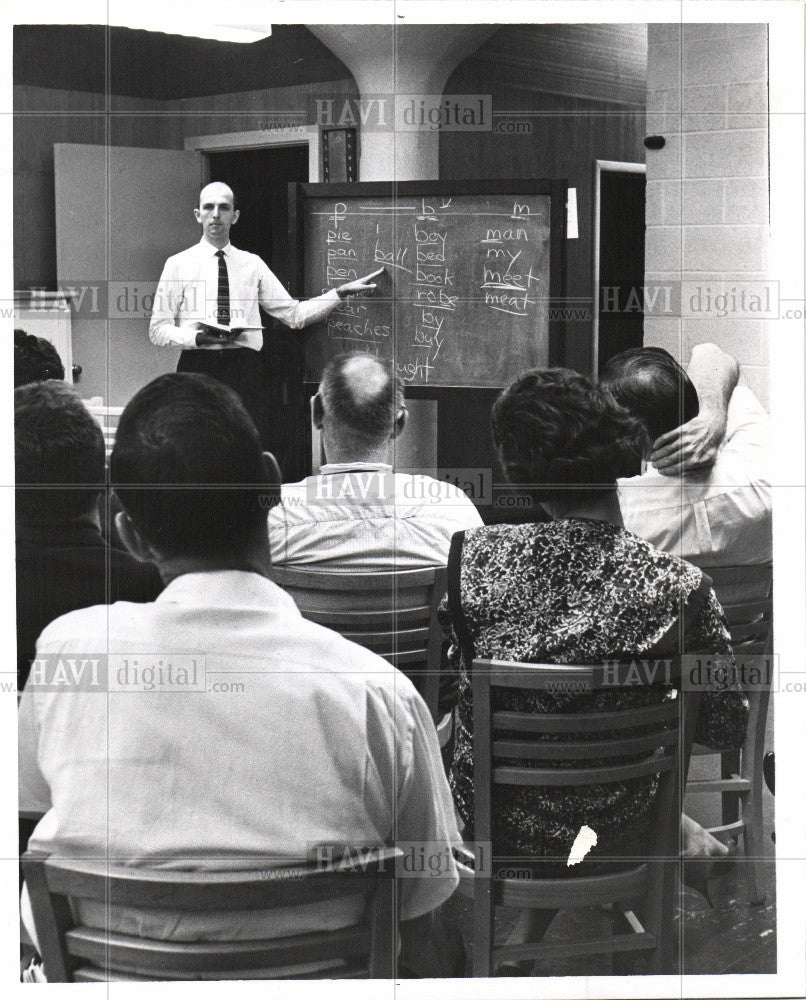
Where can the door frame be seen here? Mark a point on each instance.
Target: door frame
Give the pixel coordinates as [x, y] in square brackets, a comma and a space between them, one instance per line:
[297, 135]
[600, 167]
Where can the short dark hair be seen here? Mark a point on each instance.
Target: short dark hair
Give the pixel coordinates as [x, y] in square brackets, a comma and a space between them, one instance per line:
[35, 359]
[59, 449]
[563, 435]
[188, 469]
[653, 387]
[366, 417]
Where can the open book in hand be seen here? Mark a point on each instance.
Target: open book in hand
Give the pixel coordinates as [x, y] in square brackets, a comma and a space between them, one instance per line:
[225, 333]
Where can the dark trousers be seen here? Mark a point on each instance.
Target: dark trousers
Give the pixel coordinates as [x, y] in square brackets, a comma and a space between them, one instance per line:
[242, 370]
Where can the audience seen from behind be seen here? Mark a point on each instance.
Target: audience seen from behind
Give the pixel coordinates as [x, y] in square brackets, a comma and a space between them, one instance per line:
[35, 359]
[578, 589]
[707, 494]
[358, 513]
[63, 562]
[317, 742]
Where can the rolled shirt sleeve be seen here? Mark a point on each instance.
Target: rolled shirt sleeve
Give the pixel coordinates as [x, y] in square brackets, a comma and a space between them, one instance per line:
[163, 330]
[280, 304]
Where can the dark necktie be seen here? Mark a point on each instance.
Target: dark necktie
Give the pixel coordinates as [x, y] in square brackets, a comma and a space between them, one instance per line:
[222, 312]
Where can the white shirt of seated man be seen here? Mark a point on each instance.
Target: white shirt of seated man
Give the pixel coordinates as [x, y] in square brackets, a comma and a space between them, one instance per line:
[706, 493]
[358, 513]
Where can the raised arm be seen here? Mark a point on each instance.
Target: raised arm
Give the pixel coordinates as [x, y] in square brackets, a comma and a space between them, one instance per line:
[694, 445]
[296, 314]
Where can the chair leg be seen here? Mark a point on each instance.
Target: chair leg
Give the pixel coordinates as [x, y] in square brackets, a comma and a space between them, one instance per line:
[730, 763]
[625, 963]
[753, 770]
[753, 836]
[664, 960]
[483, 914]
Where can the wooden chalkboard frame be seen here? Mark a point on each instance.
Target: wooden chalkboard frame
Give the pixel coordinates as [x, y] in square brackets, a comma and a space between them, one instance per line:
[556, 190]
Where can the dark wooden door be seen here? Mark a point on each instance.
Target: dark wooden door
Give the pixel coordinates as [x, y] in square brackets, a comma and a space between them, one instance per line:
[260, 179]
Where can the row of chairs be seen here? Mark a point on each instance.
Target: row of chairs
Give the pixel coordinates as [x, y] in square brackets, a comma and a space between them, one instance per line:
[107, 418]
[395, 615]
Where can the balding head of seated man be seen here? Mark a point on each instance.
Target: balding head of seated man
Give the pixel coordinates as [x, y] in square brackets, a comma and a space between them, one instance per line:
[231, 733]
[705, 494]
[63, 562]
[359, 513]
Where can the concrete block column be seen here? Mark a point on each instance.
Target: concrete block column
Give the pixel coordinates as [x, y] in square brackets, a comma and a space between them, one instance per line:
[707, 191]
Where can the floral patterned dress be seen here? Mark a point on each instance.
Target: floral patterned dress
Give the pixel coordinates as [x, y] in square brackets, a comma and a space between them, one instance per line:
[578, 591]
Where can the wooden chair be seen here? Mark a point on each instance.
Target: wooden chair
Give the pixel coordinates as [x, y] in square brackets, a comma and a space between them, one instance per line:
[74, 953]
[745, 593]
[392, 613]
[641, 895]
[107, 417]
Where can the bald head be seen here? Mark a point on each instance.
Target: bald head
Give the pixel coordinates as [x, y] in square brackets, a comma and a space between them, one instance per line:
[360, 407]
[217, 190]
[216, 213]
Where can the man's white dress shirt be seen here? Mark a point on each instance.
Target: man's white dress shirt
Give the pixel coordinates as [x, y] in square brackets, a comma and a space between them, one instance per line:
[188, 293]
[722, 517]
[287, 737]
[363, 516]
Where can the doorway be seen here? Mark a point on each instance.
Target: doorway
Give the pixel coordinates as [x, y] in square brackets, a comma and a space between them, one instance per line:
[619, 224]
[260, 179]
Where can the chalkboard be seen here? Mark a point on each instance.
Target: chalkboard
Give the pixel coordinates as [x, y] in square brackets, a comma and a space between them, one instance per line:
[472, 273]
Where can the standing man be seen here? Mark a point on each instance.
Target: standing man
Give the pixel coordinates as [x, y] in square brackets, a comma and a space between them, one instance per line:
[207, 304]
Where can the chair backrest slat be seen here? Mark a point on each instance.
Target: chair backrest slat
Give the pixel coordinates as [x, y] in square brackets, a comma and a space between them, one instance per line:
[581, 679]
[665, 713]
[144, 957]
[583, 750]
[201, 891]
[369, 621]
[560, 776]
[391, 640]
[386, 581]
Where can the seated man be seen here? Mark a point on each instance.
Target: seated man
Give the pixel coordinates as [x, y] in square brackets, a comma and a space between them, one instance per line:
[63, 562]
[232, 733]
[707, 495]
[358, 514]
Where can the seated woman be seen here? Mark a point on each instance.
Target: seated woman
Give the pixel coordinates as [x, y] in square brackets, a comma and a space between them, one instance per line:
[577, 589]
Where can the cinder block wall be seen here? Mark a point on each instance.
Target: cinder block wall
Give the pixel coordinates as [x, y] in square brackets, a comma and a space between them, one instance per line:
[707, 190]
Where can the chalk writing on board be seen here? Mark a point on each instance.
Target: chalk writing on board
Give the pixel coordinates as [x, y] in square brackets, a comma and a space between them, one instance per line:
[463, 300]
